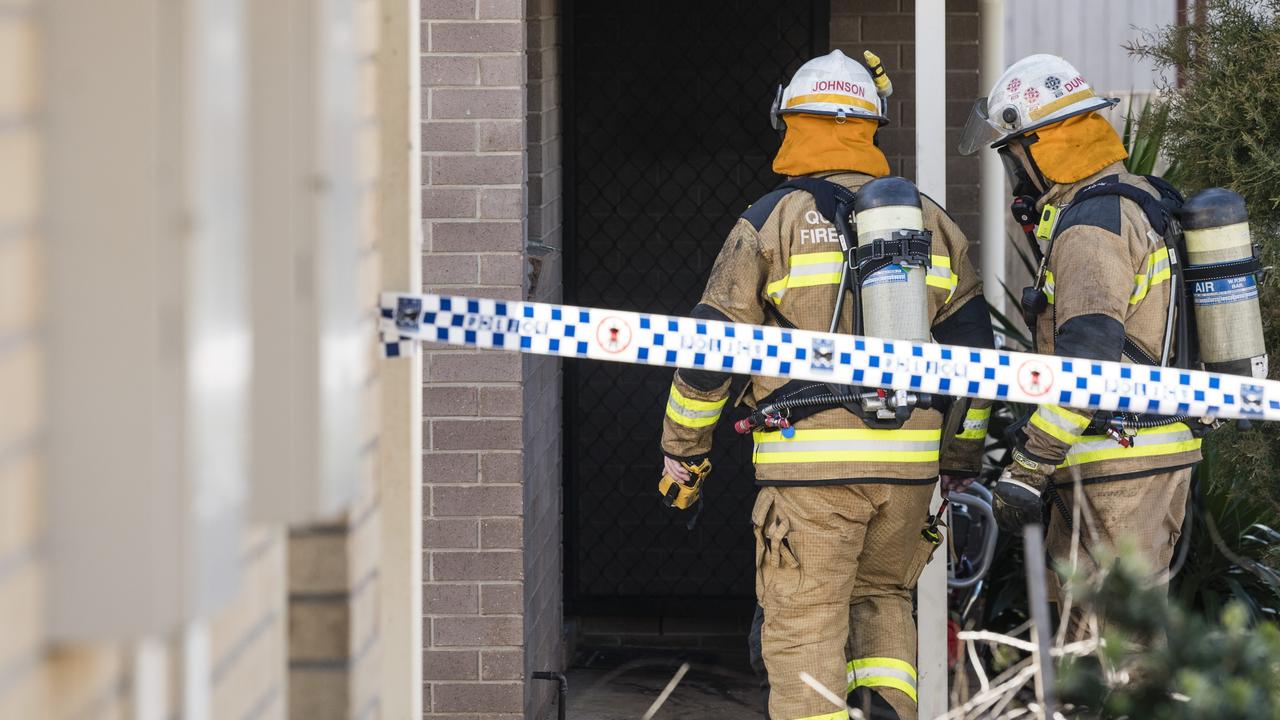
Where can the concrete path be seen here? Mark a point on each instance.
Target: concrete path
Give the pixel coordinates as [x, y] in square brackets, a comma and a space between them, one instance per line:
[622, 685]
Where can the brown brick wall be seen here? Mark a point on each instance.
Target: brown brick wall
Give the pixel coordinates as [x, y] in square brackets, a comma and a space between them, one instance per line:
[473, 205]
[543, 569]
[887, 28]
[491, 462]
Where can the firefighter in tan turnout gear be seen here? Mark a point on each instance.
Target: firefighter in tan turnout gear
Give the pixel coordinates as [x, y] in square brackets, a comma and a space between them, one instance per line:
[842, 521]
[1108, 289]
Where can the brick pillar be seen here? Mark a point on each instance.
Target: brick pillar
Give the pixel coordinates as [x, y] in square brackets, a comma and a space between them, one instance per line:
[887, 28]
[475, 459]
[543, 562]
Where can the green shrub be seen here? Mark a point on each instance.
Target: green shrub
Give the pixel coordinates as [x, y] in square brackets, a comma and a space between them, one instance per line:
[1175, 664]
[1222, 128]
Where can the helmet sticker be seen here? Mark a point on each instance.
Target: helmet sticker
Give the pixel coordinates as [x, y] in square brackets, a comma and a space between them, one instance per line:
[1032, 92]
[842, 86]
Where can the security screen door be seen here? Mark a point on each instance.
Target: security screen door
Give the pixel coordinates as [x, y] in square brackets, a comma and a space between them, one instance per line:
[667, 142]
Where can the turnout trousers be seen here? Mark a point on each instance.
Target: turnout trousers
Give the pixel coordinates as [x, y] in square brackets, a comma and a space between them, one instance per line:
[1144, 513]
[835, 566]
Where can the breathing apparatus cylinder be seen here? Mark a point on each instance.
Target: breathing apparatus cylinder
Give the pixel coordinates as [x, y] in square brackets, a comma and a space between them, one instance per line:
[1221, 271]
[894, 295]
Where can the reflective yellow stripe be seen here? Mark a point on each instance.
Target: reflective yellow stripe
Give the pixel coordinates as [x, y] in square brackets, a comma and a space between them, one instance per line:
[846, 445]
[1048, 108]
[693, 413]
[836, 99]
[885, 681]
[694, 404]
[888, 662]
[776, 289]
[882, 672]
[1061, 424]
[940, 275]
[1150, 442]
[1157, 272]
[975, 424]
[1071, 418]
[807, 270]
[803, 259]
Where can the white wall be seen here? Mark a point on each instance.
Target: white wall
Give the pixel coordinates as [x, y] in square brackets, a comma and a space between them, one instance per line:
[1090, 34]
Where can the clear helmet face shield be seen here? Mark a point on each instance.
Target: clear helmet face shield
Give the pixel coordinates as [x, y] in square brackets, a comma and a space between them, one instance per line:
[978, 129]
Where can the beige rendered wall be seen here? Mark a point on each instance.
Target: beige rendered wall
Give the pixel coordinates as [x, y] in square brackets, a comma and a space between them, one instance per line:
[314, 656]
[333, 575]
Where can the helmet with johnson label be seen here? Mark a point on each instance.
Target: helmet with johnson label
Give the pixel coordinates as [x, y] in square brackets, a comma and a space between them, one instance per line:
[1036, 91]
[834, 84]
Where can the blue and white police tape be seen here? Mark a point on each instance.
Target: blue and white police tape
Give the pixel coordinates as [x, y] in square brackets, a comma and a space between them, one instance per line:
[681, 342]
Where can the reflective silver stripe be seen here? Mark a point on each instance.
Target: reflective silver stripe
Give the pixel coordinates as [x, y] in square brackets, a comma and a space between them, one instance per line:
[1018, 483]
[799, 446]
[1072, 426]
[683, 411]
[944, 275]
[1174, 434]
[867, 676]
[815, 269]
[941, 272]
[1143, 283]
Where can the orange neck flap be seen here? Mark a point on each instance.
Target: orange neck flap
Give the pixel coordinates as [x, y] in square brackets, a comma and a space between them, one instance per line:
[815, 143]
[1076, 148]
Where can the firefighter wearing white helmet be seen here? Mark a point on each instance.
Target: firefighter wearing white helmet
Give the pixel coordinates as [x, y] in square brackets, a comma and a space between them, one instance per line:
[842, 521]
[835, 85]
[1108, 289]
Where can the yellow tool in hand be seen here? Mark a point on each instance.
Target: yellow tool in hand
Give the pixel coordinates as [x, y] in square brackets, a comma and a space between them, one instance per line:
[678, 495]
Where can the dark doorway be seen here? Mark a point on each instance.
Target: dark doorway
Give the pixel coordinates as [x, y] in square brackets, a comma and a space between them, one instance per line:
[667, 142]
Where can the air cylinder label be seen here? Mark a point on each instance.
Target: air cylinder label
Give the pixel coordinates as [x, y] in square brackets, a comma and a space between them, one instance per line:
[891, 273]
[1225, 291]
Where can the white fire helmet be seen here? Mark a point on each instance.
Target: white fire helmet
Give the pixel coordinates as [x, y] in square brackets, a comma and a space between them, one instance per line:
[832, 84]
[1036, 91]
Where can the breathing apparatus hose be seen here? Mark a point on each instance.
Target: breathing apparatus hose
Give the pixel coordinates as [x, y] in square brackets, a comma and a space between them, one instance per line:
[1145, 422]
[840, 293]
[831, 399]
[847, 235]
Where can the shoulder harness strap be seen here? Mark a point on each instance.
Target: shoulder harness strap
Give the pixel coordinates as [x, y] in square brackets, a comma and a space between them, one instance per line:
[827, 195]
[1158, 214]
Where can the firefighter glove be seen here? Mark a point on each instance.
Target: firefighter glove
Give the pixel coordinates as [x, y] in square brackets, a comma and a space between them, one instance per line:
[1018, 493]
[678, 495]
